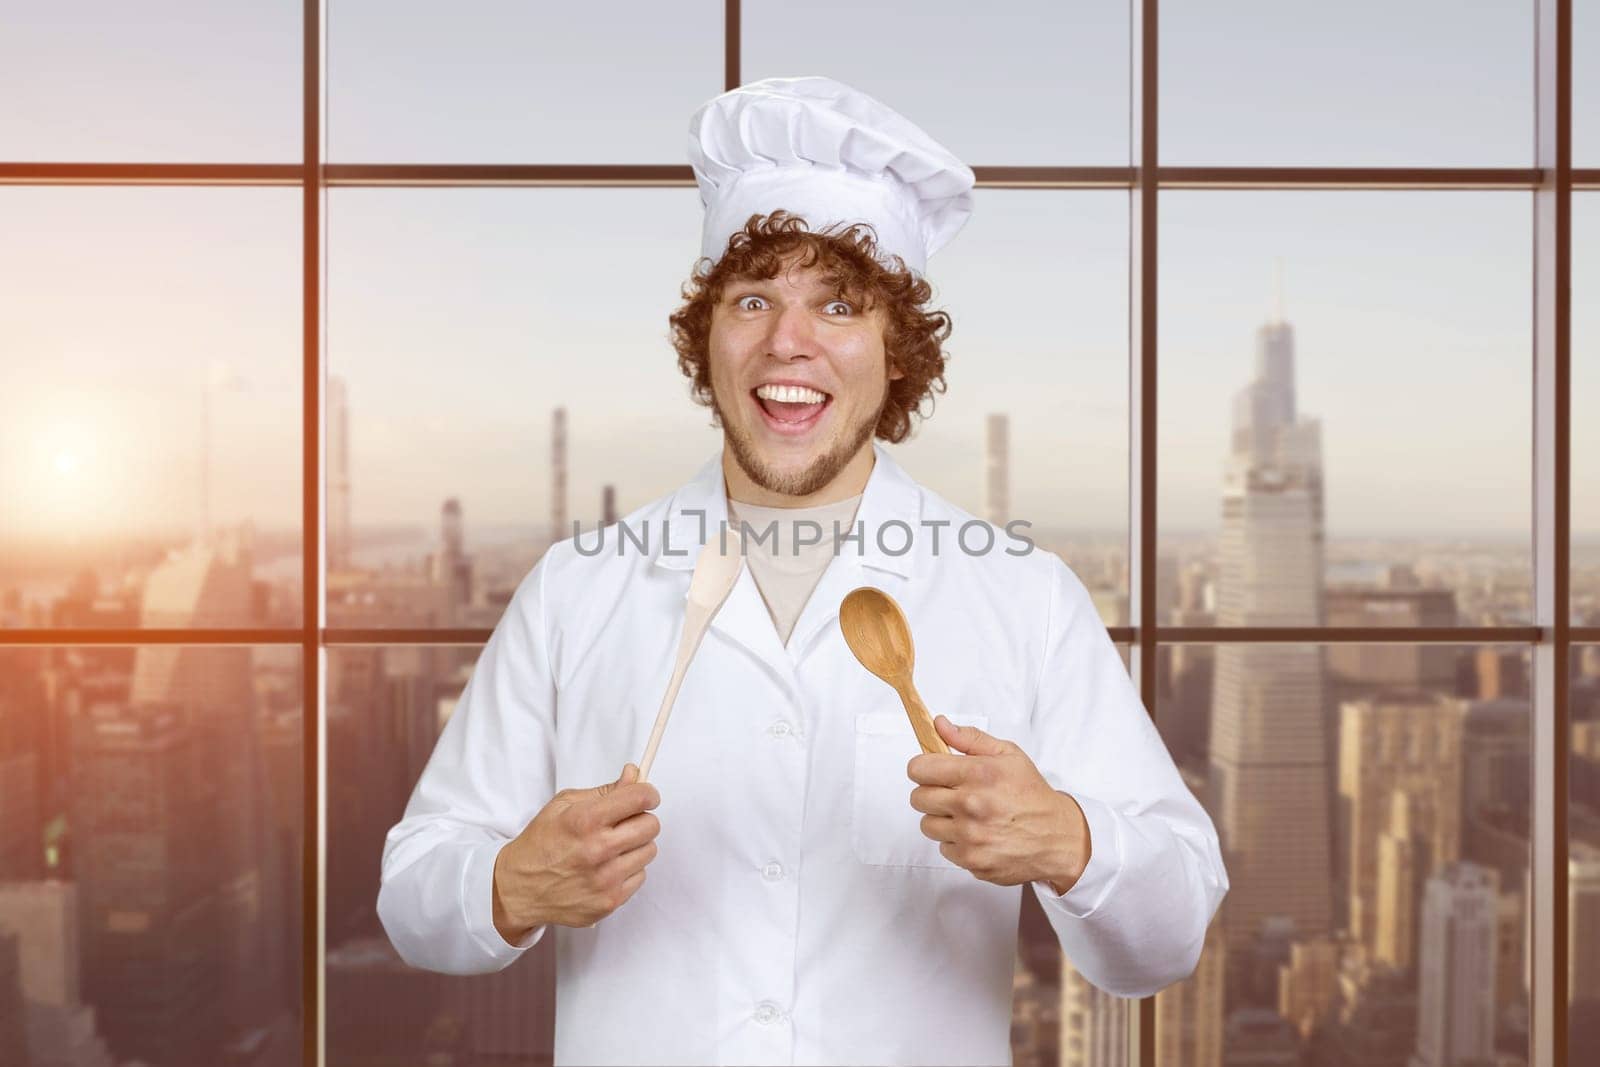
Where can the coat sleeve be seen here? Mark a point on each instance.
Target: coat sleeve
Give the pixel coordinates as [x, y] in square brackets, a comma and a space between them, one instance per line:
[492, 770]
[1136, 919]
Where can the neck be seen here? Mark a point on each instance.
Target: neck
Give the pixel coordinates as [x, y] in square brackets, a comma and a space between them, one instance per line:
[850, 481]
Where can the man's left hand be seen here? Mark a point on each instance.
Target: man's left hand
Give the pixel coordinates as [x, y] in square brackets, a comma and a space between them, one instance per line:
[993, 812]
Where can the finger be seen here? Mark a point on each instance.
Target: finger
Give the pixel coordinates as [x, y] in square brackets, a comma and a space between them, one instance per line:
[631, 832]
[619, 868]
[938, 828]
[630, 773]
[933, 768]
[630, 885]
[623, 801]
[969, 739]
[935, 799]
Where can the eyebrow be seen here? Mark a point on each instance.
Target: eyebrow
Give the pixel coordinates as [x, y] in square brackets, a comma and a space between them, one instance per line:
[739, 285]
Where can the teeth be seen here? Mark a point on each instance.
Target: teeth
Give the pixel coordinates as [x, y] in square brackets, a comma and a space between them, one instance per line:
[791, 394]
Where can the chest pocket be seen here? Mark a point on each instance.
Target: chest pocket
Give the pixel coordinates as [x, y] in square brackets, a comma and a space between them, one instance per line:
[885, 830]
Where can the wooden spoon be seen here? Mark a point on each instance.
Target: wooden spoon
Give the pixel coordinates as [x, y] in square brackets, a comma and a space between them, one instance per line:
[716, 570]
[877, 632]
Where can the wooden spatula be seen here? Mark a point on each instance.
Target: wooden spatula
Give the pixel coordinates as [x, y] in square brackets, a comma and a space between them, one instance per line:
[715, 572]
[877, 632]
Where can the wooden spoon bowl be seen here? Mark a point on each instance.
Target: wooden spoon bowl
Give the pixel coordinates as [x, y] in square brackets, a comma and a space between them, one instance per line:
[878, 635]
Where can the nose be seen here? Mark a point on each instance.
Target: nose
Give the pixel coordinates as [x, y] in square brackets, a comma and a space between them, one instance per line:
[791, 333]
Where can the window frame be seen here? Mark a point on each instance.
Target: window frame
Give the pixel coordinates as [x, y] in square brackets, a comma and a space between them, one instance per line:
[1551, 637]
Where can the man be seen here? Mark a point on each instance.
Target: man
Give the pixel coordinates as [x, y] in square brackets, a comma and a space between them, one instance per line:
[798, 883]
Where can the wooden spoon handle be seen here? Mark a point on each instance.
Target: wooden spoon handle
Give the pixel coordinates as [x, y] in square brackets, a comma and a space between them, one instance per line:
[921, 721]
[696, 619]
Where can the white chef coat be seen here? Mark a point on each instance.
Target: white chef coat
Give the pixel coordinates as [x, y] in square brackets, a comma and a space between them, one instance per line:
[795, 913]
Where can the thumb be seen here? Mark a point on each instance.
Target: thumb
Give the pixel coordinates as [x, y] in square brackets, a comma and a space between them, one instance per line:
[630, 773]
[968, 739]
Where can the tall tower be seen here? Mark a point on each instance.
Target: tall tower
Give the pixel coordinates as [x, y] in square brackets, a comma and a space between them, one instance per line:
[1268, 750]
[339, 540]
[165, 915]
[1094, 1024]
[451, 536]
[1400, 782]
[40, 993]
[187, 749]
[1583, 923]
[558, 475]
[452, 569]
[997, 470]
[1189, 1014]
[1455, 1009]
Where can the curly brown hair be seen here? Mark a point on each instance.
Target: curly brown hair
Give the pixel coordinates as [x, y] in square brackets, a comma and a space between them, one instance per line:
[912, 336]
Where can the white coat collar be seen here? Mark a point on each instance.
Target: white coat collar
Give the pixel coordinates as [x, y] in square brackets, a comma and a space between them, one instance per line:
[890, 495]
[698, 509]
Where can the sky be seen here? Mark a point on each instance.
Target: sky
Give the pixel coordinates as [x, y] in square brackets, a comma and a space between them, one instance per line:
[460, 317]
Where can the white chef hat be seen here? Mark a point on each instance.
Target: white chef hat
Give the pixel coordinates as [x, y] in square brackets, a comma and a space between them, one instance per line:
[830, 154]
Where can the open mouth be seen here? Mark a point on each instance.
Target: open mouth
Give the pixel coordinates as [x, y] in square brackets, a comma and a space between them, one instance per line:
[790, 409]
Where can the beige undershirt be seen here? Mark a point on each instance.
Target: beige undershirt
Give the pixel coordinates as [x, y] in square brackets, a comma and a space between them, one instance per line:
[786, 574]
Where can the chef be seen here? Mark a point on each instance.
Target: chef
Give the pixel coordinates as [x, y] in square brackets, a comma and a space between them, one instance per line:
[797, 881]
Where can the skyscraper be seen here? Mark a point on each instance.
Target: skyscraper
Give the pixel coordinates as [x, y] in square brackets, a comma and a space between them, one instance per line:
[339, 534]
[13, 1031]
[1400, 810]
[39, 976]
[176, 772]
[1455, 997]
[1189, 1014]
[1268, 748]
[1094, 1024]
[155, 942]
[997, 470]
[452, 569]
[1583, 924]
[1308, 984]
[558, 476]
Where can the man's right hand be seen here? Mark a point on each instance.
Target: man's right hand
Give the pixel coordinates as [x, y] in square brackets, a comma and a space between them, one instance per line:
[580, 858]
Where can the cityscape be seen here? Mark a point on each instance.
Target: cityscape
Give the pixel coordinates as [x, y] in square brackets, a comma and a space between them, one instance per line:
[1373, 801]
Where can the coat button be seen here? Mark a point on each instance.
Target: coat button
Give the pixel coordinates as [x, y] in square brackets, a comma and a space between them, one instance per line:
[781, 728]
[768, 1013]
[772, 872]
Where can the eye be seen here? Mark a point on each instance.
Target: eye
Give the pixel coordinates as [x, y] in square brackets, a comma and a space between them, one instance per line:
[745, 307]
[848, 309]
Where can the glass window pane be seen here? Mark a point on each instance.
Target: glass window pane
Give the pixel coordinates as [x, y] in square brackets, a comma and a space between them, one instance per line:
[1583, 871]
[1356, 450]
[1058, 1019]
[1585, 83]
[386, 707]
[1039, 83]
[150, 422]
[1038, 356]
[1364, 83]
[1373, 804]
[537, 315]
[1585, 578]
[510, 82]
[460, 323]
[170, 81]
[150, 854]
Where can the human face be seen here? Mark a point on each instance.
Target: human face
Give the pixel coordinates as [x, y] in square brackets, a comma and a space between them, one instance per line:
[794, 330]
